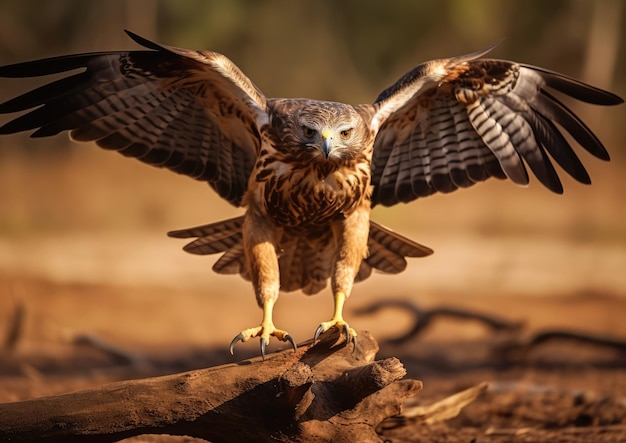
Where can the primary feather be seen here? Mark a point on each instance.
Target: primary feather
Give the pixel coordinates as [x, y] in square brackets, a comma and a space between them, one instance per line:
[309, 171]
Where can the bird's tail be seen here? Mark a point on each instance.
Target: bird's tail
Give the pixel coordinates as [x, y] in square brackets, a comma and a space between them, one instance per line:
[303, 263]
[223, 236]
[387, 251]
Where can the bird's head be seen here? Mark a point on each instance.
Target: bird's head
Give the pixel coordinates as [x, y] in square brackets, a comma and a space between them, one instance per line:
[325, 131]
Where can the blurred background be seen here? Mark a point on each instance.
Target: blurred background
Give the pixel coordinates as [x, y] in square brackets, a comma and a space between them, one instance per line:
[82, 231]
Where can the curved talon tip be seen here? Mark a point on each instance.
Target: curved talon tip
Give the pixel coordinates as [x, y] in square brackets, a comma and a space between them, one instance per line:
[350, 338]
[318, 331]
[238, 338]
[289, 338]
[263, 344]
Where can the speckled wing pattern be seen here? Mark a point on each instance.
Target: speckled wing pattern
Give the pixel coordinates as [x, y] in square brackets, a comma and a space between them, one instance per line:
[192, 112]
[449, 124]
[446, 124]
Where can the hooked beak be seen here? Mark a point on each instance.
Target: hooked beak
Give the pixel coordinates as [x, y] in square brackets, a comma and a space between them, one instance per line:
[327, 142]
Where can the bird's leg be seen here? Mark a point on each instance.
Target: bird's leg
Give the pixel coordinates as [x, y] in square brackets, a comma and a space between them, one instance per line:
[264, 331]
[259, 239]
[351, 235]
[337, 320]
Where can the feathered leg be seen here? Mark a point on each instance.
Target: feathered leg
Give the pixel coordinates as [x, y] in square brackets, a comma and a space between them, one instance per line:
[260, 238]
[351, 235]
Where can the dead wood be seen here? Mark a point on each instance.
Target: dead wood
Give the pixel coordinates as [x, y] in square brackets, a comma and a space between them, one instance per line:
[15, 327]
[324, 392]
[423, 318]
[439, 411]
[519, 347]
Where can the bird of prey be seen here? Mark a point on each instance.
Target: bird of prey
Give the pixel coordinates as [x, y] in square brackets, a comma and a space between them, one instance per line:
[306, 171]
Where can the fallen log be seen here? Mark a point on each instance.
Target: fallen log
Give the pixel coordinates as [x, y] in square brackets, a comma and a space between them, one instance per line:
[323, 392]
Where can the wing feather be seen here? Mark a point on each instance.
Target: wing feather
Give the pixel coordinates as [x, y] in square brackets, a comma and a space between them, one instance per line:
[450, 123]
[193, 112]
[484, 117]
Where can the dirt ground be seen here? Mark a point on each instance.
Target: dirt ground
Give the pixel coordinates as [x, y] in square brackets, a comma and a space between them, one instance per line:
[93, 292]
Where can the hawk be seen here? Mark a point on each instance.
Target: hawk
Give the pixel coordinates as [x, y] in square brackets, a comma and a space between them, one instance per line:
[306, 171]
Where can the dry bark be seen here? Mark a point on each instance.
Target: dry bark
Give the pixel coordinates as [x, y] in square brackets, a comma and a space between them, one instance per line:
[320, 393]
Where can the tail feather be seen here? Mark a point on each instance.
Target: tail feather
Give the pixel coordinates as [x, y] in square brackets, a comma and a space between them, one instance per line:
[304, 263]
[232, 262]
[387, 251]
[392, 241]
[212, 238]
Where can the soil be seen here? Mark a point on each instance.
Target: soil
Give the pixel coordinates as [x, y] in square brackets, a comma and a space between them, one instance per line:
[95, 293]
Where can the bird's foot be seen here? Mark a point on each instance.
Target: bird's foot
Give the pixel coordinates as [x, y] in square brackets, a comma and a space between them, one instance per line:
[339, 323]
[265, 331]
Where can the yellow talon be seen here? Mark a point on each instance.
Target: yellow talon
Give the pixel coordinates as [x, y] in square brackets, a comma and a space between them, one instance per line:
[337, 321]
[265, 331]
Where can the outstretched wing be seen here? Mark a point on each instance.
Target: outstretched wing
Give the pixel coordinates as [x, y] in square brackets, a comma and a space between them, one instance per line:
[193, 112]
[449, 124]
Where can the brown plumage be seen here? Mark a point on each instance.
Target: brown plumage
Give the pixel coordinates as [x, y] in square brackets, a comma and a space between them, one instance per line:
[306, 171]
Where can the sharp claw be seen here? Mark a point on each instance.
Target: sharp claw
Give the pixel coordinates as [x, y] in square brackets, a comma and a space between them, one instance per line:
[349, 337]
[263, 343]
[289, 338]
[238, 338]
[318, 331]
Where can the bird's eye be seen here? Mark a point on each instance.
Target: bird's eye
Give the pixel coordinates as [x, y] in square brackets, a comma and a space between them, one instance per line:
[345, 134]
[308, 132]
